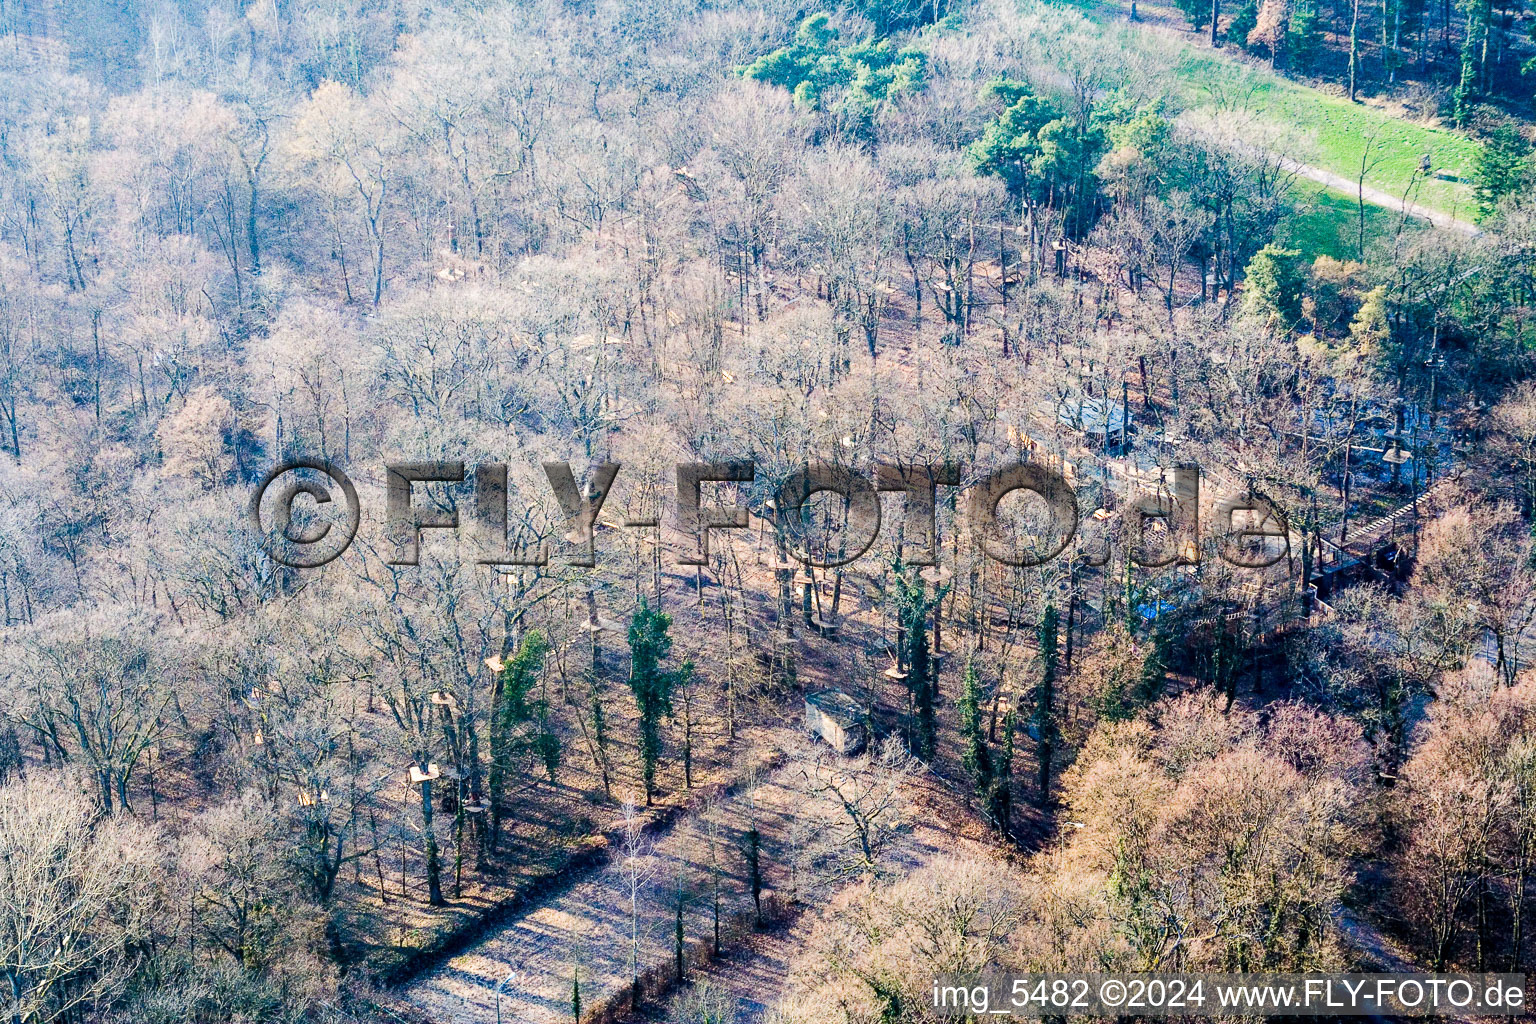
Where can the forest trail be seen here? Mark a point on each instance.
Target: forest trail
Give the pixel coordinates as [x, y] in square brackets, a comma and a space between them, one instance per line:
[1378, 952]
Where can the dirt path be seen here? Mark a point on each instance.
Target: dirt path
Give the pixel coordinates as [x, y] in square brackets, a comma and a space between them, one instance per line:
[1376, 197]
[1379, 952]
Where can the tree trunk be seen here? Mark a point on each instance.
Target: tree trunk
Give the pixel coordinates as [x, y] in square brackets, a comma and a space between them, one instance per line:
[1354, 47]
[434, 867]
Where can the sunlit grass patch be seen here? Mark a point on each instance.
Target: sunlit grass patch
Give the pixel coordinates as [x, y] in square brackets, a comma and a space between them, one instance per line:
[1321, 222]
[1343, 131]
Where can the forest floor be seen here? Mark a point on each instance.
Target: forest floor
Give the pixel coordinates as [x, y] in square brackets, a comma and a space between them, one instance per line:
[584, 925]
[587, 927]
[757, 972]
[754, 974]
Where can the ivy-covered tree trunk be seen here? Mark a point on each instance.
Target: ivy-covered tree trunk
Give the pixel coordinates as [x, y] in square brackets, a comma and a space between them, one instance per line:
[434, 864]
[649, 645]
[1000, 793]
[752, 851]
[918, 678]
[974, 753]
[1045, 699]
[510, 708]
[914, 604]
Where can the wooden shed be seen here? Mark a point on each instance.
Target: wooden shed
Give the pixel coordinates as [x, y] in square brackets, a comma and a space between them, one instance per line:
[837, 718]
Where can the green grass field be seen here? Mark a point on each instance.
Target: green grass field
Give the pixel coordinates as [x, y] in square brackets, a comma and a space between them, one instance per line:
[1343, 131]
[1321, 222]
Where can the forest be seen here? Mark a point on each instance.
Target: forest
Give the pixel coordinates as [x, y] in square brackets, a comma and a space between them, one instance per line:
[723, 511]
